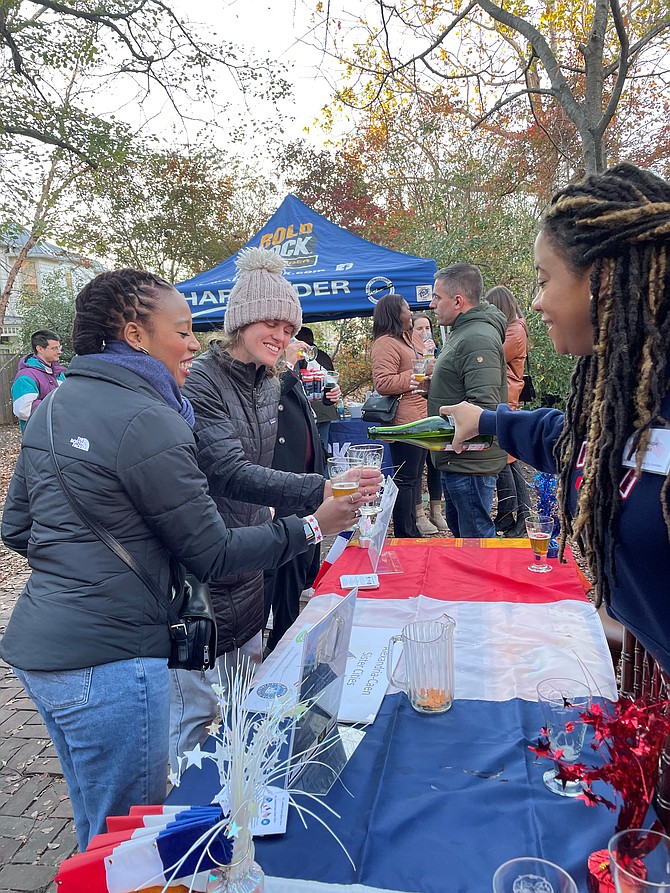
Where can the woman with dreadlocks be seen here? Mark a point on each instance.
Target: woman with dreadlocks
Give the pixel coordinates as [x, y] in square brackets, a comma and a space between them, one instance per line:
[604, 293]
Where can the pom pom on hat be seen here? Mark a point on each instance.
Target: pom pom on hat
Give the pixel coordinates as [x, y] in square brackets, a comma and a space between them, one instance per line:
[261, 292]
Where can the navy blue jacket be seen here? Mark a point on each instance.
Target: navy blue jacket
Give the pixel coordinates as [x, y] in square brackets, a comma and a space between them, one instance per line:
[640, 593]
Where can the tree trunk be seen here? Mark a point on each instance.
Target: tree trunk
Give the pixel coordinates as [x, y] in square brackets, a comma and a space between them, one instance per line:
[13, 274]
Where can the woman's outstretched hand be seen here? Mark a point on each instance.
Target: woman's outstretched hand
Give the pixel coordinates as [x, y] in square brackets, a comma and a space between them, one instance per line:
[466, 416]
[336, 514]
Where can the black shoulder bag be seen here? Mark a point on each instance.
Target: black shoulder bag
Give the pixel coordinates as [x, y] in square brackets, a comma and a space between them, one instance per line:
[193, 630]
[378, 408]
[528, 391]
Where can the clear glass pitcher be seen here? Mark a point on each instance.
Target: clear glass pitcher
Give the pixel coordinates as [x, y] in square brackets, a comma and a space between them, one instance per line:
[428, 648]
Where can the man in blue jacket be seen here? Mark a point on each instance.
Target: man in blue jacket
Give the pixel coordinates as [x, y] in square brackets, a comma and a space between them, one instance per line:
[38, 375]
[471, 367]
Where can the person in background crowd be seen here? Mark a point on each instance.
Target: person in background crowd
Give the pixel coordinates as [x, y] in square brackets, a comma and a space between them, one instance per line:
[394, 349]
[235, 393]
[470, 366]
[87, 640]
[38, 374]
[298, 449]
[325, 414]
[603, 271]
[513, 496]
[434, 523]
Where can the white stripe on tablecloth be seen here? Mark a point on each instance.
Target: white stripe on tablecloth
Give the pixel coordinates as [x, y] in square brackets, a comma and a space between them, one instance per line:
[286, 885]
[502, 649]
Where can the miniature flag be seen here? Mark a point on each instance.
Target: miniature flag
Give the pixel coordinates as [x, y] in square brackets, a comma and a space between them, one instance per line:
[148, 854]
[338, 547]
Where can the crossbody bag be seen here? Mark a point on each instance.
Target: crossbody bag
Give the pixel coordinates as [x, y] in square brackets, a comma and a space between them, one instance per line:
[193, 629]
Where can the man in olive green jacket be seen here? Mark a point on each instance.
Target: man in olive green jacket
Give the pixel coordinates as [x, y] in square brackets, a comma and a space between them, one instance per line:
[471, 367]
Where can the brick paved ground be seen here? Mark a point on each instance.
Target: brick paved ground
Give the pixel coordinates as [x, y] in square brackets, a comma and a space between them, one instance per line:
[36, 828]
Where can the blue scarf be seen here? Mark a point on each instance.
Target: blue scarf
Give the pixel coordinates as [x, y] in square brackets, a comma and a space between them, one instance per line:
[152, 371]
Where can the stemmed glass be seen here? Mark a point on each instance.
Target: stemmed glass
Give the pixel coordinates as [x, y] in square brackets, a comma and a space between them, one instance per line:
[368, 455]
[640, 861]
[539, 529]
[345, 475]
[563, 700]
[419, 368]
[527, 875]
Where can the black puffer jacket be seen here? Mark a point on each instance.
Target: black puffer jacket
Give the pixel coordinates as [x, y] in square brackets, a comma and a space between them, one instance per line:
[236, 424]
[131, 461]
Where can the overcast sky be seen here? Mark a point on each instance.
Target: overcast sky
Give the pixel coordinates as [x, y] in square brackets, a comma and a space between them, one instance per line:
[277, 29]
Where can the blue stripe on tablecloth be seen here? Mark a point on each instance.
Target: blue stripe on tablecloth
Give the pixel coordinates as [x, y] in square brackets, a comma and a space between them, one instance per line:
[439, 802]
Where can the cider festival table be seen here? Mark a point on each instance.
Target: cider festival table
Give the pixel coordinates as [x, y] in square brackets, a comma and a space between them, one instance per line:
[435, 803]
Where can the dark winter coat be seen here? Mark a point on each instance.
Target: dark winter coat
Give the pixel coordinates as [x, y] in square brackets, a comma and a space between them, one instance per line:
[131, 461]
[296, 423]
[471, 366]
[236, 424]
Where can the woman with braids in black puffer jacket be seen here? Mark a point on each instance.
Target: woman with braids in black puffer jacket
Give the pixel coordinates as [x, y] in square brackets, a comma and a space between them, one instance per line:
[88, 641]
[603, 270]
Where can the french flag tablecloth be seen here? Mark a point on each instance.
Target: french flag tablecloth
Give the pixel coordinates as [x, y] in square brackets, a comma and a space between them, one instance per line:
[435, 803]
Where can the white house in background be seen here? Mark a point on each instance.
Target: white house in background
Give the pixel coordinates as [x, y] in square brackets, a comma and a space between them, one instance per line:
[44, 260]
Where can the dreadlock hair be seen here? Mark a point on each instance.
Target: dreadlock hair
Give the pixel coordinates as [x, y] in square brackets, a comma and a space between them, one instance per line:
[108, 302]
[618, 225]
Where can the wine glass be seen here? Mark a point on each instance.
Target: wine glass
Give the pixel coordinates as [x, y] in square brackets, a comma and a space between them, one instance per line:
[563, 700]
[428, 352]
[528, 875]
[370, 455]
[419, 368]
[308, 353]
[539, 529]
[640, 861]
[345, 475]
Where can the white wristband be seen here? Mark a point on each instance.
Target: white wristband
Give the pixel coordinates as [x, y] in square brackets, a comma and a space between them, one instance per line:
[316, 529]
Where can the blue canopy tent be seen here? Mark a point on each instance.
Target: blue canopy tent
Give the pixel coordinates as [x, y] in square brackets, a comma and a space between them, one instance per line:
[337, 274]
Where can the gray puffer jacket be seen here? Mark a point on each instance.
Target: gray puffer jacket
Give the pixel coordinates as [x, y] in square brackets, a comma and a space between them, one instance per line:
[130, 461]
[236, 425]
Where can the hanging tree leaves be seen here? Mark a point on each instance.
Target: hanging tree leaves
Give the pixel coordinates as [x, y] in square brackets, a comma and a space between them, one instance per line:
[577, 73]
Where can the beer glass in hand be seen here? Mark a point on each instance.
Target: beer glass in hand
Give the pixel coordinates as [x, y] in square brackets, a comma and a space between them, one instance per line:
[419, 368]
[330, 381]
[369, 455]
[305, 351]
[539, 529]
[345, 474]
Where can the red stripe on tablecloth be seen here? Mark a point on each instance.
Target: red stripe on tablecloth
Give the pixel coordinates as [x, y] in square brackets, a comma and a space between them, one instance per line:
[462, 570]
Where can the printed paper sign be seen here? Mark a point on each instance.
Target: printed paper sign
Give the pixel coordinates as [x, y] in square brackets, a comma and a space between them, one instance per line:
[365, 680]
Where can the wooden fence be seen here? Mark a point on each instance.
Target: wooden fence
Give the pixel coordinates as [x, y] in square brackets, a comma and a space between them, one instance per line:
[9, 363]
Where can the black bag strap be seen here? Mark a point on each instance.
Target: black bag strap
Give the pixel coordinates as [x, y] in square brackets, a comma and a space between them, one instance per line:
[110, 541]
[527, 363]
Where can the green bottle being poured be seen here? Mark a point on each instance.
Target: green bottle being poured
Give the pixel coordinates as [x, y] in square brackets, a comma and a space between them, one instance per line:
[434, 433]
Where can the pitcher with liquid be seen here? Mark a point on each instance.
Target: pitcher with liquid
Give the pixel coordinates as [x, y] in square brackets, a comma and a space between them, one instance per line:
[428, 649]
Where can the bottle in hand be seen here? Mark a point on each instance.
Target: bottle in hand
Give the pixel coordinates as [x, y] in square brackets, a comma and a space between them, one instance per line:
[434, 433]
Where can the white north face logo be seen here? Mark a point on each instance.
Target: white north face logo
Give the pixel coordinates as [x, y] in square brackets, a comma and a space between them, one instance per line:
[80, 443]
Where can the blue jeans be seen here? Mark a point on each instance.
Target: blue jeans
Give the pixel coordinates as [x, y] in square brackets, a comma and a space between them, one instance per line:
[193, 703]
[468, 499]
[109, 725]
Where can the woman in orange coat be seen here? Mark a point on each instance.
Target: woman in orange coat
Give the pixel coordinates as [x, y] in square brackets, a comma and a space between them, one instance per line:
[394, 349]
[513, 497]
